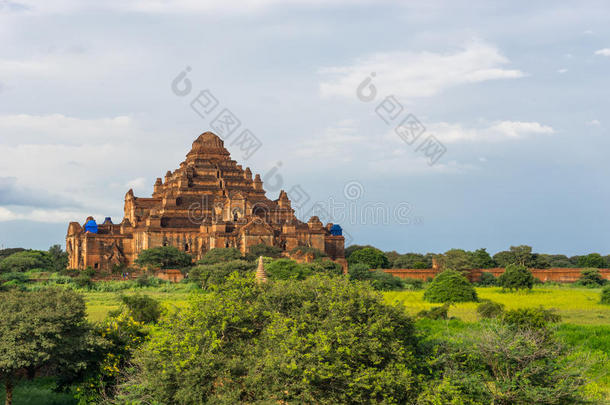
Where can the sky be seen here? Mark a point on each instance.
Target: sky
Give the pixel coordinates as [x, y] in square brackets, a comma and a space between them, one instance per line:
[419, 126]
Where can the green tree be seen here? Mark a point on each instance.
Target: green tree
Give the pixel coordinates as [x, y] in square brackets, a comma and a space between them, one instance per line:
[480, 259]
[254, 252]
[220, 255]
[142, 308]
[353, 248]
[559, 261]
[412, 261]
[287, 269]
[46, 328]
[164, 257]
[208, 275]
[592, 260]
[372, 257]
[456, 259]
[516, 277]
[450, 286]
[591, 278]
[322, 340]
[26, 260]
[605, 295]
[59, 258]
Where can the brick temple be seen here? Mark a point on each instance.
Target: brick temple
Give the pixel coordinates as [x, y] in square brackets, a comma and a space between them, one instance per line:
[209, 202]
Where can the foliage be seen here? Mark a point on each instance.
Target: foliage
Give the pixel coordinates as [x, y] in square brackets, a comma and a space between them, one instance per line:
[516, 255]
[379, 280]
[220, 255]
[450, 286]
[413, 283]
[59, 258]
[435, 312]
[489, 309]
[120, 335]
[591, 278]
[528, 367]
[374, 258]
[605, 295]
[594, 260]
[40, 329]
[321, 340]
[455, 259]
[39, 391]
[303, 250]
[215, 274]
[487, 279]
[480, 259]
[325, 266]
[412, 261]
[142, 308]
[4, 253]
[352, 248]
[287, 269]
[26, 260]
[254, 252]
[516, 277]
[164, 257]
[530, 318]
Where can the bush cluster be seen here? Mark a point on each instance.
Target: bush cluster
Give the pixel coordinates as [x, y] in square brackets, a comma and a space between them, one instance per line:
[450, 286]
[378, 279]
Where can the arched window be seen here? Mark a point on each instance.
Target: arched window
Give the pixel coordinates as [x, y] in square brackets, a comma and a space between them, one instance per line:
[186, 247]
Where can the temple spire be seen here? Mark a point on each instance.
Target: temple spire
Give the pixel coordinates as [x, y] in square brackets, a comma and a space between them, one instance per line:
[261, 276]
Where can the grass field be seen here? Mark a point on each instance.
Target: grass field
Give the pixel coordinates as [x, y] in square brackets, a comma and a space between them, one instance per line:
[100, 303]
[579, 306]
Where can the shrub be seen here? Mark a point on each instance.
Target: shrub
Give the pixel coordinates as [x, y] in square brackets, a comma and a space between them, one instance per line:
[413, 283]
[164, 257]
[487, 280]
[83, 281]
[142, 308]
[516, 277]
[254, 252]
[374, 258]
[19, 277]
[435, 312]
[317, 254]
[450, 286]
[489, 309]
[379, 280]
[590, 278]
[322, 340]
[220, 255]
[26, 260]
[605, 295]
[327, 267]
[217, 274]
[286, 269]
[532, 318]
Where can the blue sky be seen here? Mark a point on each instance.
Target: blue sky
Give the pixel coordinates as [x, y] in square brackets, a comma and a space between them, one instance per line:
[515, 92]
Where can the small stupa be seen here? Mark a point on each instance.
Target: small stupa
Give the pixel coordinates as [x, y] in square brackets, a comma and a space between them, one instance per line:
[261, 276]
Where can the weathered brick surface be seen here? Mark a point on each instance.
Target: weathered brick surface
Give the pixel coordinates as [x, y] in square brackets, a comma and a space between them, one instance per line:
[562, 275]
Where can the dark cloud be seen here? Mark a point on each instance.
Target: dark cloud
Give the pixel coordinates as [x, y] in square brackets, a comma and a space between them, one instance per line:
[13, 194]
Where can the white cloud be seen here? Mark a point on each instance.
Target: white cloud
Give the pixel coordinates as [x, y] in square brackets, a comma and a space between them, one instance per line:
[562, 71]
[417, 74]
[594, 123]
[58, 128]
[173, 7]
[520, 129]
[603, 52]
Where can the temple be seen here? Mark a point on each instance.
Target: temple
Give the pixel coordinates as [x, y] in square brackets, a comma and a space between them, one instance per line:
[208, 202]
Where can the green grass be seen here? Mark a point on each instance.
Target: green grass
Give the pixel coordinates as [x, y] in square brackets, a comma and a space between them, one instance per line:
[100, 303]
[39, 392]
[578, 306]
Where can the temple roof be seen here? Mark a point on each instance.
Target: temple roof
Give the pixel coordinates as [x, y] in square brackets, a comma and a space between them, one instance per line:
[208, 145]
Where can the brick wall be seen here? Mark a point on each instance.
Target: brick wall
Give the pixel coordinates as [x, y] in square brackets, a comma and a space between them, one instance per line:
[562, 275]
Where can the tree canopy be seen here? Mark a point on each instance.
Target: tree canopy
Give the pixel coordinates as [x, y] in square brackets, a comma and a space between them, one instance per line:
[164, 257]
[372, 257]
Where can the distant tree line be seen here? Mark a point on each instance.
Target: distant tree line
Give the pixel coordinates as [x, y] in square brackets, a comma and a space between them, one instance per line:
[461, 260]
